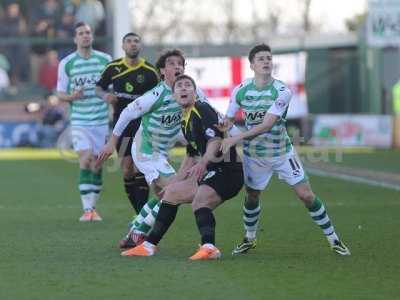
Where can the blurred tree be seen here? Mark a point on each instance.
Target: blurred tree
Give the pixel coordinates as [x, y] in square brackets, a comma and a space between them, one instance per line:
[354, 23]
[306, 16]
[224, 21]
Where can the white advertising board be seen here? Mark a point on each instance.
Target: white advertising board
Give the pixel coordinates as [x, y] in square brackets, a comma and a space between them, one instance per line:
[353, 130]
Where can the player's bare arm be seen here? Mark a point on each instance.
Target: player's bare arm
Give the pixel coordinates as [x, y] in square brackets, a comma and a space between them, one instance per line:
[105, 95]
[76, 95]
[210, 155]
[225, 125]
[266, 125]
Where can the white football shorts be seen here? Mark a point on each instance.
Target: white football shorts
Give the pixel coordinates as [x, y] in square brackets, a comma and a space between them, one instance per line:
[91, 138]
[258, 171]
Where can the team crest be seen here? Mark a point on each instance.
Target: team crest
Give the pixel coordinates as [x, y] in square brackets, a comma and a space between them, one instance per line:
[210, 132]
[128, 87]
[140, 78]
[280, 103]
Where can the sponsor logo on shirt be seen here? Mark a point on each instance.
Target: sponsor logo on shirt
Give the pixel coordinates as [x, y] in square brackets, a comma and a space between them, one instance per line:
[140, 78]
[255, 117]
[171, 119]
[85, 80]
[210, 132]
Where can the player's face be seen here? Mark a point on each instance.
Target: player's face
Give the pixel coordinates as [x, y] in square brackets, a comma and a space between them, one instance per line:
[262, 63]
[132, 46]
[173, 68]
[184, 92]
[83, 37]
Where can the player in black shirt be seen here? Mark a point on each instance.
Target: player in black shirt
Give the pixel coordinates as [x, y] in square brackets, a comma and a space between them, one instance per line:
[130, 77]
[205, 182]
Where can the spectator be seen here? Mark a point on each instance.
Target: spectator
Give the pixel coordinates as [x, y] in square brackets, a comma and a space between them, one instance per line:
[91, 12]
[65, 31]
[48, 71]
[53, 123]
[4, 79]
[65, 28]
[71, 6]
[49, 11]
[13, 25]
[43, 24]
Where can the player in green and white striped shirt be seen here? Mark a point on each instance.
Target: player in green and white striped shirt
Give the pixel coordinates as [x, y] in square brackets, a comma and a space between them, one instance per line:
[267, 148]
[159, 130]
[77, 77]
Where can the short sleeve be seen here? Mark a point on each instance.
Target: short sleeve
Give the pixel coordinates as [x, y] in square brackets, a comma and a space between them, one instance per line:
[62, 78]
[233, 102]
[281, 103]
[135, 110]
[209, 118]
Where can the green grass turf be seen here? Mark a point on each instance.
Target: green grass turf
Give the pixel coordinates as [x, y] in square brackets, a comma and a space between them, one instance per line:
[374, 160]
[45, 253]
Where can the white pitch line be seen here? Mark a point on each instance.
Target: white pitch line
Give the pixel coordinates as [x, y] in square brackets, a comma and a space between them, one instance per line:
[352, 178]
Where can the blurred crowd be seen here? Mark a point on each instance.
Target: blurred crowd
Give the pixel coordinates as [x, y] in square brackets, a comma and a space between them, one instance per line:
[36, 34]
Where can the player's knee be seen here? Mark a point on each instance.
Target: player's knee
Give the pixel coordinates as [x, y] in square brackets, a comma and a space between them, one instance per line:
[306, 195]
[84, 164]
[85, 159]
[170, 200]
[127, 172]
[199, 204]
[168, 195]
[200, 201]
[211, 201]
[252, 195]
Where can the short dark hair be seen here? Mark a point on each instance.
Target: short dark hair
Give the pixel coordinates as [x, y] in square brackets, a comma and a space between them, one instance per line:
[181, 77]
[130, 34]
[256, 49]
[79, 24]
[160, 64]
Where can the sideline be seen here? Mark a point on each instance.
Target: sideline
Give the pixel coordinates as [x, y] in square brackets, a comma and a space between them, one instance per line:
[55, 154]
[352, 178]
[52, 154]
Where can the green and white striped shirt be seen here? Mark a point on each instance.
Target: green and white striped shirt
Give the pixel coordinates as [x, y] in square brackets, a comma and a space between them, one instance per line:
[76, 72]
[274, 98]
[161, 116]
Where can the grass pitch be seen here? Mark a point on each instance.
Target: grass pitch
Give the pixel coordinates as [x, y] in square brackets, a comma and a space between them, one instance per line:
[46, 253]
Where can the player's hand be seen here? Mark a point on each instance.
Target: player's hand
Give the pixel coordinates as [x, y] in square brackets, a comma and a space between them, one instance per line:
[77, 94]
[105, 153]
[224, 126]
[110, 98]
[227, 143]
[198, 170]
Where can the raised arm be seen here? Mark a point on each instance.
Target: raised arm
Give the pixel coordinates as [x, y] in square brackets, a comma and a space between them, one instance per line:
[134, 110]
